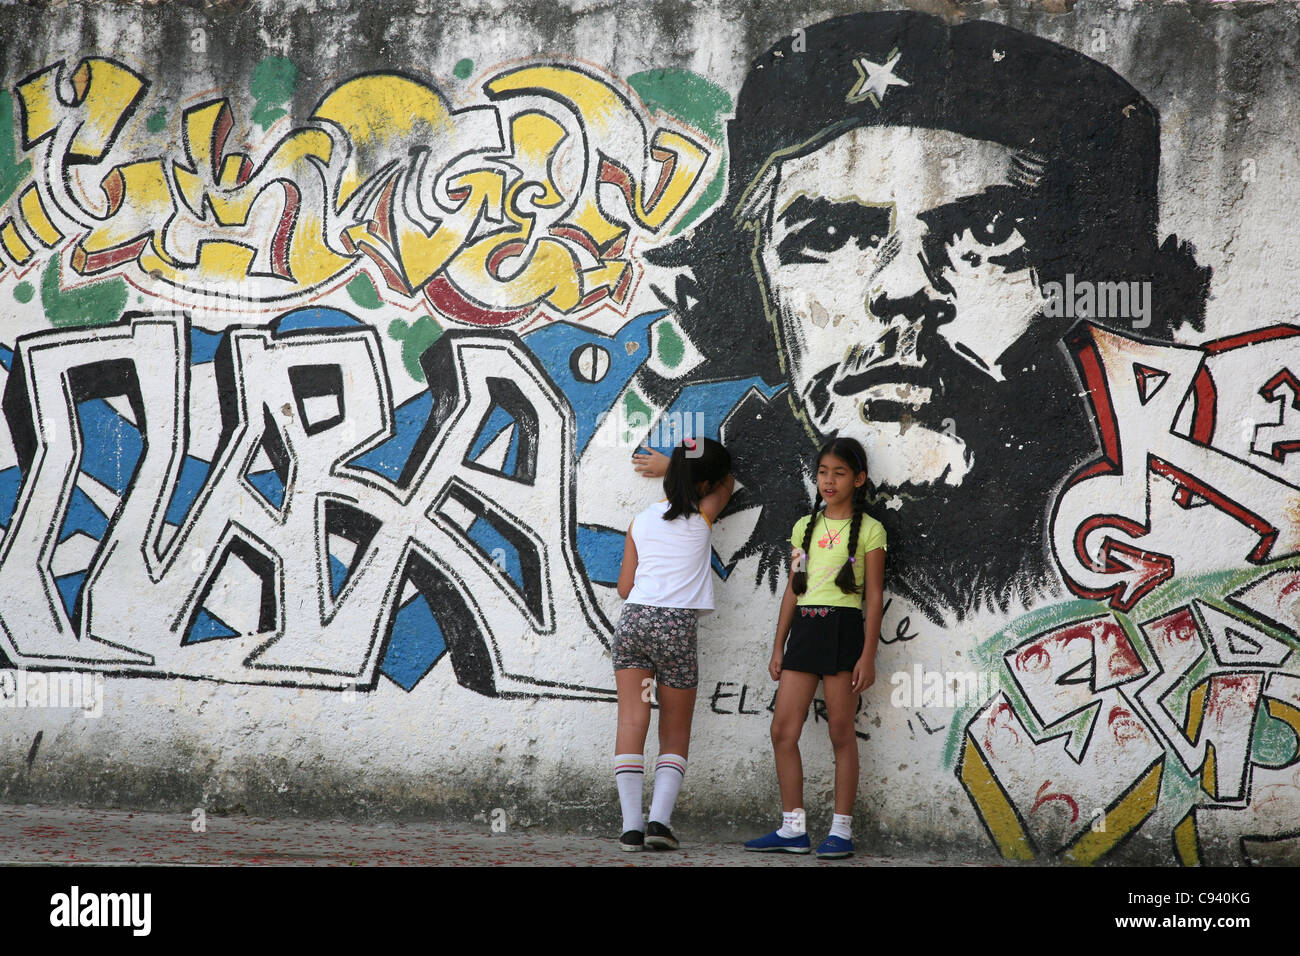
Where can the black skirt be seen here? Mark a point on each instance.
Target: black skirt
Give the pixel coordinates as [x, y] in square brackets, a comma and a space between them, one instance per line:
[824, 640]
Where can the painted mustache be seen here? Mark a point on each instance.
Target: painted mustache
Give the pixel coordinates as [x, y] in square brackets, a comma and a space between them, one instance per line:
[850, 383]
[896, 387]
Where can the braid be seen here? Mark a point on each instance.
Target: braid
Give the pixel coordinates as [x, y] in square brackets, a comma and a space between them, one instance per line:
[845, 579]
[800, 579]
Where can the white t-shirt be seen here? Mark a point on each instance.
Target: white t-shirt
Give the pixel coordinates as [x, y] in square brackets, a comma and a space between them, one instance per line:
[673, 567]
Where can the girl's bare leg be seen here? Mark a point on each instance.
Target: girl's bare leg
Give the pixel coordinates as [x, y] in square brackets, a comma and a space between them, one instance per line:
[841, 707]
[633, 709]
[793, 696]
[676, 708]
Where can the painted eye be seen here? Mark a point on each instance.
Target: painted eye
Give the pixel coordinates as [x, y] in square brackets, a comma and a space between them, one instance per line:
[818, 229]
[816, 237]
[995, 230]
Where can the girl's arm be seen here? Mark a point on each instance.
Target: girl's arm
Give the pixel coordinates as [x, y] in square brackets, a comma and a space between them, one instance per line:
[873, 609]
[783, 622]
[627, 573]
[711, 505]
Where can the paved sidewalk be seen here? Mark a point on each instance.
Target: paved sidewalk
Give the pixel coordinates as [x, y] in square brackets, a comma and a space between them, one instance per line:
[53, 836]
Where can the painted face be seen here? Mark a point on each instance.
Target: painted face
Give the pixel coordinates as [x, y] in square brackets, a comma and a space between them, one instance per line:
[895, 259]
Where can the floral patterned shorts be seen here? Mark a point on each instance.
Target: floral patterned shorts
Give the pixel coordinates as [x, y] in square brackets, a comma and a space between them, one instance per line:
[659, 639]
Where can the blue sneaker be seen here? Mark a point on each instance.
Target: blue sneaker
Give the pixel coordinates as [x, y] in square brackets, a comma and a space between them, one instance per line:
[834, 848]
[775, 842]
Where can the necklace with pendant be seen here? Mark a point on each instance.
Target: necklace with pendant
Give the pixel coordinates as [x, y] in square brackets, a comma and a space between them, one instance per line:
[832, 535]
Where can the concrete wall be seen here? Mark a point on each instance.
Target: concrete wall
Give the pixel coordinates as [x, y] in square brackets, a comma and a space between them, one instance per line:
[328, 331]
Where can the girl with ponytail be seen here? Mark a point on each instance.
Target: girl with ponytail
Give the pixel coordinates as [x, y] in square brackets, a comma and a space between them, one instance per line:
[666, 582]
[831, 616]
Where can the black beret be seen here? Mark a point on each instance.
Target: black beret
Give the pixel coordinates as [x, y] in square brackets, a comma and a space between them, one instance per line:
[1098, 138]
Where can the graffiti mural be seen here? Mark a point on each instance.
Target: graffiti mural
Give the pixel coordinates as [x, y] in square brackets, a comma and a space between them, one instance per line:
[984, 296]
[1201, 419]
[1204, 688]
[488, 210]
[429, 507]
[896, 243]
[332, 385]
[1104, 717]
[185, 466]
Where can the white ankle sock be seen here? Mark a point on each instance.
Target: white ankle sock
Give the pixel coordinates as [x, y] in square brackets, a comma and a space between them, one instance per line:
[670, 770]
[793, 824]
[842, 826]
[629, 771]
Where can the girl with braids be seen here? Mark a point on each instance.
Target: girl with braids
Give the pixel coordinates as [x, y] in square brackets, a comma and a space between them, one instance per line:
[831, 614]
[667, 582]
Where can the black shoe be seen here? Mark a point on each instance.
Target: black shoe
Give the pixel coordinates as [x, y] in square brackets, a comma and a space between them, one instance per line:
[633, 841]
[660, 837]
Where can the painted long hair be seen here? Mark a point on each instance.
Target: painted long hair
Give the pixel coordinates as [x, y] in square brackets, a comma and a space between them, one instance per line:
[851, 452]
[693, 461]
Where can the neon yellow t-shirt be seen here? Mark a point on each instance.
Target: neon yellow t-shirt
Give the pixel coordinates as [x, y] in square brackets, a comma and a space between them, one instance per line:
[828, 551]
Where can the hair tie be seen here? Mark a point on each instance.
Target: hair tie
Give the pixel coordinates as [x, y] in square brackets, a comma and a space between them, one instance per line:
[688, 443]
[853, 560]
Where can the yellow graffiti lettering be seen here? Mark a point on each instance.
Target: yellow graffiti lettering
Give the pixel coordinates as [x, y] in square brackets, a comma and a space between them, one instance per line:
[501, 202]
[138, 200]
[1123, 817]
[39, 99]
[104, 93]
[17, 249]
[1186, 844]
[379, 114]
[993, 805]
[226, 261]
[423, 255]
[537, 137]
[38, 220]
[489, 271]
[226, 185]
[594, 226]
[682, 162]
[606, 276]
[606, 115]
[601, 108]
[205, 129]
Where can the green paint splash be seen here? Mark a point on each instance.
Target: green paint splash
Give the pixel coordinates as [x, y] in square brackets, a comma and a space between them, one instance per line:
[363, 292]
[463, 69]
[12, 173]
[274, 80]
[98, 304]
[415, 338]
[634, 410]
[669, 347]
[157, 120]
[24, 291]
[1274, 743]
[698, 102]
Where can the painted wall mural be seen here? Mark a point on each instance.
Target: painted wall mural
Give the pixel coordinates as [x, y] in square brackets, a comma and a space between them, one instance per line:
[488, 210]
[1184, 693]
[184, 465]
[429, 506]
[331, 397]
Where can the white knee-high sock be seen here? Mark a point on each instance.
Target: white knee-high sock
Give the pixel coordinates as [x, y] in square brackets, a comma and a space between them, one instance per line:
[670, 770]
[629, 771]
